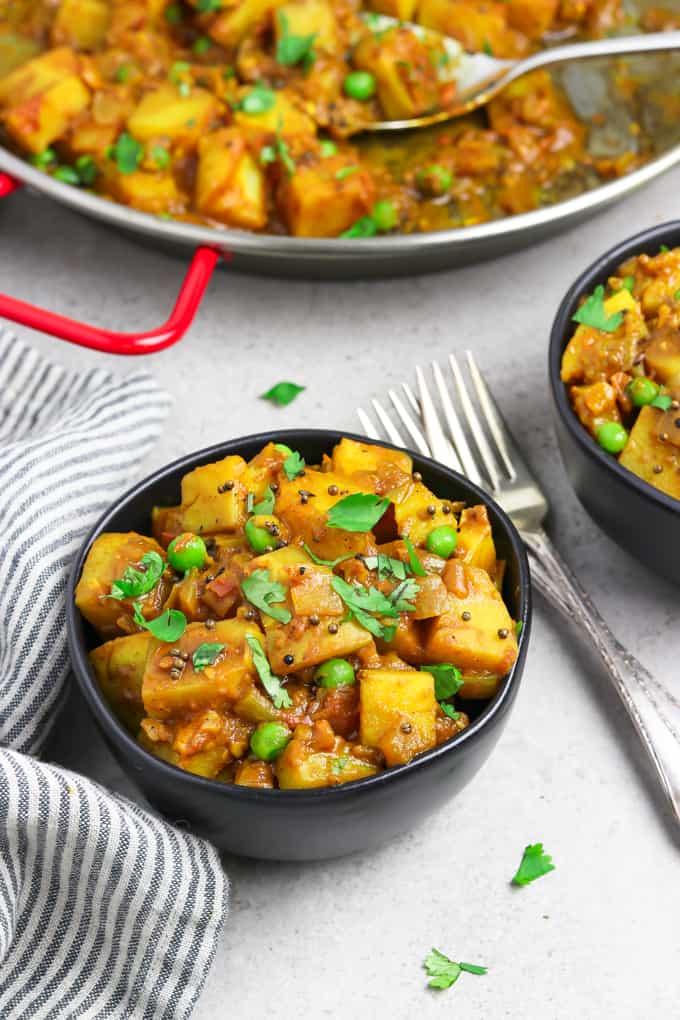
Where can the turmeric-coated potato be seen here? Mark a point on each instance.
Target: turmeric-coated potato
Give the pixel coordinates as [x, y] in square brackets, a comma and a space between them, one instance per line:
[397, 712]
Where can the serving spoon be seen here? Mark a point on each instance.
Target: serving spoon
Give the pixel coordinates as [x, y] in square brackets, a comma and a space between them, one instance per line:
[479, 77]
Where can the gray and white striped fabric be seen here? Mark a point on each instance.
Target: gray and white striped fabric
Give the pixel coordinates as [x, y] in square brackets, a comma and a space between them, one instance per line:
[106, 911]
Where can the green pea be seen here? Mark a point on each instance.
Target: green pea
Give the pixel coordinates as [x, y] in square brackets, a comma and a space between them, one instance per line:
[642, 391]
[385, 215]
[269, 740]
[612, 437]
[442, 541]
[282, 448]
[434, 180]
[328, 148]
[66, 174]
[359, 85]
[260, 539]
[335, 673]
[187, 551]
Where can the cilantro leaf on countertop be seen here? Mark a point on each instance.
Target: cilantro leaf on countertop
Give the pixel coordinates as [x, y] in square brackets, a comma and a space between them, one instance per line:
[360, 511]
[534, 864]
[261, 591]
[282, 393]
[592, 313]
[271, 683]
[444, 972]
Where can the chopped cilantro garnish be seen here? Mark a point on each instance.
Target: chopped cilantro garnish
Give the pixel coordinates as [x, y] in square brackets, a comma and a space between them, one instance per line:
[358, 512]
[127, 153]
[268, 154]
[444, 972]
[206, 655]
[176, 75]
[123, 73]
[67, 175]
[327, 147]
[386, 566]
[663, 250]
[345, 171]
[169, 626]
[663, 402]
[283, 393]
[266, 504]
[677, 295]
[202, 45]
[326, 563]
[447, 680]
[592, 313]
[293, 465]
[402, 595]
[261, 591]
[628, 283]
[534, 864]
[272, 685]
[364, 227]
[138, 580]
[43, 159]
[413, 561]
[519, 627]
[294, 49]
[449, 710]
[488, 48]
[173, 14]
[208, 6]
[361, 602]
[258, 100]
[86, 168]
[160, 155]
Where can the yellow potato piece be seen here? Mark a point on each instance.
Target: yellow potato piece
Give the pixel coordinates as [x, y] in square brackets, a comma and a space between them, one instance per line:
[398, 712]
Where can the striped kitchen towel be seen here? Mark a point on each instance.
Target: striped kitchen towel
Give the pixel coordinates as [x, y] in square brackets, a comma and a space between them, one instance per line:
[106, 911]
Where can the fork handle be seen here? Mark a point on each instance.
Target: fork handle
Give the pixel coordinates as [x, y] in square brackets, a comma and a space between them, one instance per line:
[649, 704]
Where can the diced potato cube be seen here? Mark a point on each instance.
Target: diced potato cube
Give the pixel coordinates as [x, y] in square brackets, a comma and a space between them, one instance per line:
[37, 75]
[432, 598]
[165, 113]
[312, 592]
[485, 641]
[284, 117]
[645, 451]
[313, 645]
[532, 18]
[662, 357]
[279, 563]
[475, 540]
[402, 10]
[119, 668]
[302, 766]
[224, 682]
[595, 404]
[238, 19]
[406, 78]
[80, 23]
[213, 500]
[352, 457]
[256, 774]
[111, 554]
[229, 183]
[150, 192]
[411, 503]
[15, 50]
[306, 517]
[43, 118]
[322, 200]
[593, 355]
[398, 712]
[474, 25]
[308, 17]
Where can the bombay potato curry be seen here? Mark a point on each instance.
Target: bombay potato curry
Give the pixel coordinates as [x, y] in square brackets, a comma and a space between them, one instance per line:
[622, 367]
[293, 626]
[236, 113]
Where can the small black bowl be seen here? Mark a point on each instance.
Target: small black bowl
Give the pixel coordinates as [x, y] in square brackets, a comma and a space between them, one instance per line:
[303, 824]
[641, 519]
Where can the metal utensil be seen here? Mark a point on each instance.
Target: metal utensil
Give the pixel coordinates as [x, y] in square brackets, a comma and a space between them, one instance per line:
[480, 446]
[479, 77]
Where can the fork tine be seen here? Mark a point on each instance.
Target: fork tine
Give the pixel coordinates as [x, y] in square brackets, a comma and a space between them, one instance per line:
[412, 398]
[439, 445]
[491, 413]
[460, 442]
[367, 425]
[413, 430]
[392, 431]
[476, 428]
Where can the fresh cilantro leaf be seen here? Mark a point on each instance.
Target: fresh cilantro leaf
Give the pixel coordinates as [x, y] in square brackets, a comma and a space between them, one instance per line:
[202, 45]
[123, 73]
[449, 710]
[534, 864]
[169, 626]
[176, 76]
[519, 627]
[628, 283]
[173, 14]
[282, 393]
[127, 153]
[208, 6]
[67, 174]
[402, 595]
[364, 227]
[326, 563]
[413, 561]
[266, 504]
[488, 48]
[663, 402]
[268, 154]
[87, 170]
[258, 100]
[386, 566]
[359, 512]
[44, 159]
[293, 465]
[250, 502]
[663, 250]
[362, 602]
[139, 580]
[160, 156]
[285, 157]
[447, 680]
[444, 972]
[294, 49]
[272, 685]
[327, 148]
[677, 295]
[592, 313]
[206, 655]
[345, 171]
[261, 591]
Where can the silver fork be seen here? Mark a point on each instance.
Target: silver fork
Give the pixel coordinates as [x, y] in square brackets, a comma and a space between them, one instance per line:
[493, 461]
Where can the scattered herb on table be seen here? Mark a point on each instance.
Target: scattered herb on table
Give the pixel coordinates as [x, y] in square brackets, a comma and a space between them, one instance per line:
[444, 972]
[534, 864]
[283, 393]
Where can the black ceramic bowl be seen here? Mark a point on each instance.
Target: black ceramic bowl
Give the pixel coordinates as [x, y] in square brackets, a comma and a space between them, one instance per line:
[640, 518]
[301, 824]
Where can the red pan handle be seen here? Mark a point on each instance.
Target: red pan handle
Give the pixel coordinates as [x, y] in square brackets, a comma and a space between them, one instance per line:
[192, 290]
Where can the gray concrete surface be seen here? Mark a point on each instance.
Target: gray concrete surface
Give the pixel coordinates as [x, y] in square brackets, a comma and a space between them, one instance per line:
[596, 939]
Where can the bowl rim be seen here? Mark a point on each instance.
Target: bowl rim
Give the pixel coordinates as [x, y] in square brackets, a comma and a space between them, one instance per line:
[597, 273]
[108, 721]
